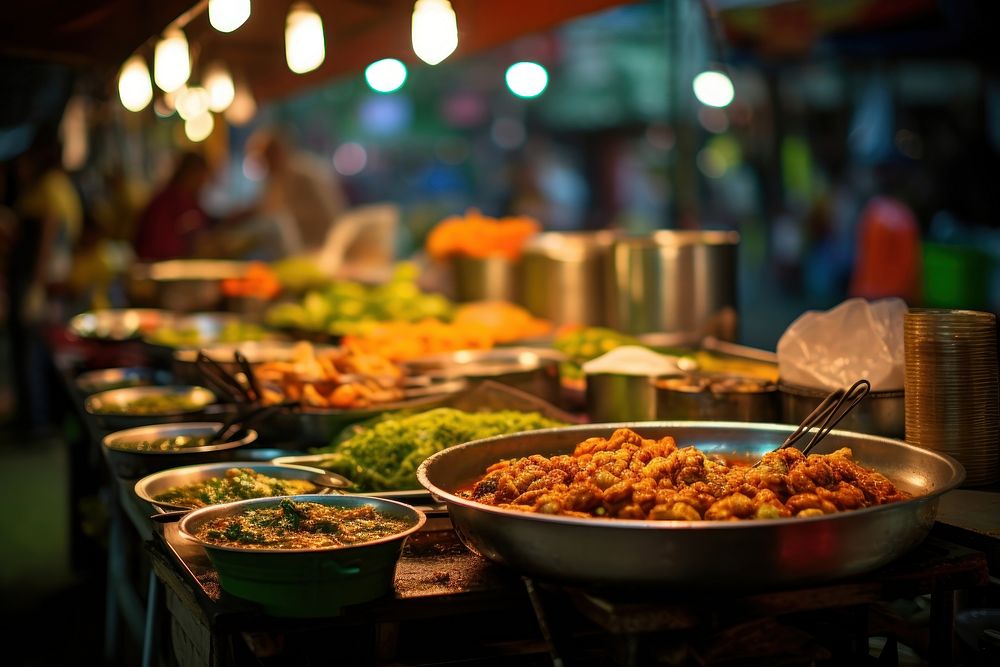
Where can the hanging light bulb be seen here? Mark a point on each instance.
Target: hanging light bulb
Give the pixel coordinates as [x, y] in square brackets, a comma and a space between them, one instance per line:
[171, 61]
[220, 87]
[199, 127]
[134, 87]
[434, 30]
[192, 102]
[228, 15]
[243, 108]
[304, 45]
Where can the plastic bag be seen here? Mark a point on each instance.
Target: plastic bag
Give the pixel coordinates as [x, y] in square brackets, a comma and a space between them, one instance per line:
[833, 349]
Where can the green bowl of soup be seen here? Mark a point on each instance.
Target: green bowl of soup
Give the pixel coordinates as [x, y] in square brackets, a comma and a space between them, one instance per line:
[308, 555]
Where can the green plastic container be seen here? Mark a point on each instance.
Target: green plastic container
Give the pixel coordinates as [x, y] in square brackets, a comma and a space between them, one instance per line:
[956, 277]
[307, 583]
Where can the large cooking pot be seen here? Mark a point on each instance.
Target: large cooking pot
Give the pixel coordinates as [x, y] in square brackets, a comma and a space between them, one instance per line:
[752, 554]
[674, 281]
[563, 276]
[484, 279]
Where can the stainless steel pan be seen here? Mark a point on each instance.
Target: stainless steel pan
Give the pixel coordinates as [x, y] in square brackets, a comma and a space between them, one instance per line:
[695, 555]
[153, 485]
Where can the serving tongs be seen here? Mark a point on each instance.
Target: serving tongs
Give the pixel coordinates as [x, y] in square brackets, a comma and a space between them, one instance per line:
[837, 405]
[242, 420]
[228, 384]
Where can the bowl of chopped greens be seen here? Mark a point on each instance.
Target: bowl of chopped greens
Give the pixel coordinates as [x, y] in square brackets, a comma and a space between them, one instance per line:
[196, 486]
[138, 406]
[305, 555]
[383, 454]
[137, 452]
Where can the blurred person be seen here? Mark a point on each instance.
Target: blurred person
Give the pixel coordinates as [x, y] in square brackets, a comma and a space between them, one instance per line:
[49, 221]
[117, 208]
[301, 191]
[170, 224]
[888, 256]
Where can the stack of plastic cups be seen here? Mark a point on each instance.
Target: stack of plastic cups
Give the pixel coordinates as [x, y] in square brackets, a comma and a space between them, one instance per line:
[952, 388]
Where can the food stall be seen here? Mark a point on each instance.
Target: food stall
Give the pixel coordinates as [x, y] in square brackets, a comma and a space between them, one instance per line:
[457, 439]
[519, 445]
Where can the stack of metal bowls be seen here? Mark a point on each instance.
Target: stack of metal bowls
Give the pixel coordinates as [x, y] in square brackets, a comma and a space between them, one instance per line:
[952, 388]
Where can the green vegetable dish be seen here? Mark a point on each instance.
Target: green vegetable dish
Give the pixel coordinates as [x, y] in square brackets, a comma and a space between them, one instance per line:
[383, 454]
[151, 405]
[300, 525]
[173, 444]
[231, 332]
[236, 484]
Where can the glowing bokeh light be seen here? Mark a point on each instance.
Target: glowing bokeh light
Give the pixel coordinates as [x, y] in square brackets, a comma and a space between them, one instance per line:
[228, 15]
[134, 87]
[386, 76]
[527, 79]
[713, 89]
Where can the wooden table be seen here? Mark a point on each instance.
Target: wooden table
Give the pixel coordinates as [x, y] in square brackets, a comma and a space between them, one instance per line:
[452, 606]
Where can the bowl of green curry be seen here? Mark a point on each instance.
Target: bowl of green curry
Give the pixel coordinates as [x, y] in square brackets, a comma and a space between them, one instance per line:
[137, 452]
[138, 406]
[193, 487]
[307, 555]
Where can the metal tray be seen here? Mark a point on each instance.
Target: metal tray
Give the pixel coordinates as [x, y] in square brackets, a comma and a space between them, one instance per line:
[153, 485]
[123, 420]
[753, 554]
[117, 324]
[530, 369]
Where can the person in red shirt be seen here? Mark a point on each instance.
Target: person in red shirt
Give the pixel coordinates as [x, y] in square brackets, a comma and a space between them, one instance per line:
[888, 252]
[173, 218]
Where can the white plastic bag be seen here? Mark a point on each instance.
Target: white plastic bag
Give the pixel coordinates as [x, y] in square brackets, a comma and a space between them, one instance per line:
[833, 349]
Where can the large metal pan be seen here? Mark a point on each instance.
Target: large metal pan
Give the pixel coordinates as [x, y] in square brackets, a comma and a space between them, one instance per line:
[747, 555]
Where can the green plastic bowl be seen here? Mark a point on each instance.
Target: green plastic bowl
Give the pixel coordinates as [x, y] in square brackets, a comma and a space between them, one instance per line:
[307, 583]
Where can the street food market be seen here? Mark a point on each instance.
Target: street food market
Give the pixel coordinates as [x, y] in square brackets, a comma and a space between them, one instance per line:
[482, 332]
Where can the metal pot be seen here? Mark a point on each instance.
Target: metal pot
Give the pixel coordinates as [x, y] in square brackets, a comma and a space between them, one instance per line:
[682, 397]
[93, 382]
[484, 279]
[674, 281]
[563, 276]
[616, 397]
[532, 370]
[307, 582]
[702, 555]
[183, 285]
[880, 413]
[103, 405]
[131, 464]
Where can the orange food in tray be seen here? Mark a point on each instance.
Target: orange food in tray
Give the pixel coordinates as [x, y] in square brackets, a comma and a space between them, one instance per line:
[506, 321]
[478, 236]
[259, 282]
[403, 341]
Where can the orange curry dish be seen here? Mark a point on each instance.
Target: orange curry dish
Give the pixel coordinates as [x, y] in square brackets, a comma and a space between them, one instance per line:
[630, 477]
